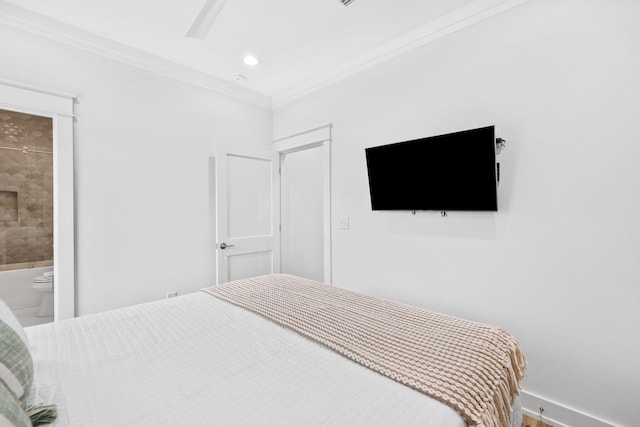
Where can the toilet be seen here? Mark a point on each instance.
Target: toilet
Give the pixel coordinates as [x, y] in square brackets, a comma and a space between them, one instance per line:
[44, 285]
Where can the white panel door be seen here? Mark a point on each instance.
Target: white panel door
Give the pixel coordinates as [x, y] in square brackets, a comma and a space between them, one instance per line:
[248, 202]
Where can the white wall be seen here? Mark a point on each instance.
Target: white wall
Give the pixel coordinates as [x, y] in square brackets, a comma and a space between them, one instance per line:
[557, 266]
[142, 147]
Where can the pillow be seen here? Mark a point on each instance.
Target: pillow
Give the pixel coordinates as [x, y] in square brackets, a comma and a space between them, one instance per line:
[11, 412]
[16, 365]
[16, 376]
[7, 316]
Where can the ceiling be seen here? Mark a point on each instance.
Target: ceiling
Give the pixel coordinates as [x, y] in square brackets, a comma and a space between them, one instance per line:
[296, 41]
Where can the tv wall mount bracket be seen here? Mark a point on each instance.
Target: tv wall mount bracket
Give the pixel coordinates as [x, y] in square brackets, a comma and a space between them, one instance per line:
[442, 213]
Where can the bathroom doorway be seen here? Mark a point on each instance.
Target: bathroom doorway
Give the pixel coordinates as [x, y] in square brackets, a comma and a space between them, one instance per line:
[26, 216]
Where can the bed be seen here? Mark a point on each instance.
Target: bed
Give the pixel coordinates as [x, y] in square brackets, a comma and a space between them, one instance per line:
[198, 360]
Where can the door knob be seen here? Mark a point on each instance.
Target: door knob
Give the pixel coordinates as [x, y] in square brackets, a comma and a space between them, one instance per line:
[223, 245]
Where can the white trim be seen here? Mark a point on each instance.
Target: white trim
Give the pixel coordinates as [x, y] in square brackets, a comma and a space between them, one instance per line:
[557, 414]
[59, 107]
[326, 157]
[302, 140]
[317, 137]
[35, 100]
[32, 22]
[434, 30]
[33, 88]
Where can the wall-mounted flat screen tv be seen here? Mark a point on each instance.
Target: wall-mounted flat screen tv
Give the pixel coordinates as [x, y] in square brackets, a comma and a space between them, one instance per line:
[452, 172]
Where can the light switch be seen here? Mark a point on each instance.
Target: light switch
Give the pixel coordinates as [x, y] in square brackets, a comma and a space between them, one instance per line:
[343, 222]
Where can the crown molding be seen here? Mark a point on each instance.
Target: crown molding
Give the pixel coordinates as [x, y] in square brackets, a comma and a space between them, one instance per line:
[35, 23]
[454, 21]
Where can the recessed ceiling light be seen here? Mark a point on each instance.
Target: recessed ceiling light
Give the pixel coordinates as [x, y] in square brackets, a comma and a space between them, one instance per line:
[251, 60]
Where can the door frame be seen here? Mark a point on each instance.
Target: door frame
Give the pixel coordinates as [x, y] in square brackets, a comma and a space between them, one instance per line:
[23, 98]
[317, 137]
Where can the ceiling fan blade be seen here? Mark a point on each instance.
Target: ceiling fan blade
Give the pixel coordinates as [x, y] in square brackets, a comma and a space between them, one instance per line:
[206, 18]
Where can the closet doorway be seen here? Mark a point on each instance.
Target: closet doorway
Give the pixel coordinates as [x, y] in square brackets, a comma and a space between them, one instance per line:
[305, 208]
[302, 236]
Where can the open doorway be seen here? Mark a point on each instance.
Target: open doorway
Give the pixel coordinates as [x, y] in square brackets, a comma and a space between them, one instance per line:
[302, 237]
[26, 216]
[56, 109]
[305, 161]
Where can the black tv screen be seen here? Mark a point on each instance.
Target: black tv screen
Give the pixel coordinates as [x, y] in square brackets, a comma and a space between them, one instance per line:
[452, 172]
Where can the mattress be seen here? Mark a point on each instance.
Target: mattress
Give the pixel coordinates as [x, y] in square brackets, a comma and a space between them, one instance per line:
[196, 360]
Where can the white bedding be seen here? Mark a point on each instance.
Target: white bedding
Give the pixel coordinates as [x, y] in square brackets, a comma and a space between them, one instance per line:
[198, 361]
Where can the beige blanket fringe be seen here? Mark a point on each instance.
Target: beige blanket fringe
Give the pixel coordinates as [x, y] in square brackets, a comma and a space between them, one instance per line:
[472, 367]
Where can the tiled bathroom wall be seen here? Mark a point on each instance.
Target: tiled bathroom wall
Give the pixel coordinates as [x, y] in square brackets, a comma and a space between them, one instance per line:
[26, 191]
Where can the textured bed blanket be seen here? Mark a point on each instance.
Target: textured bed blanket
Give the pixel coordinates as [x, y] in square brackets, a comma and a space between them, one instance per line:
[472, 367]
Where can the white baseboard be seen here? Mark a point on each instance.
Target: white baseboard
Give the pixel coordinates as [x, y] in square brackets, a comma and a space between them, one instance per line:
[557, 414]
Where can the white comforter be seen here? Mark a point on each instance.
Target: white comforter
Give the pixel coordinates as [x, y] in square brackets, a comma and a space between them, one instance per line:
[198, 361]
